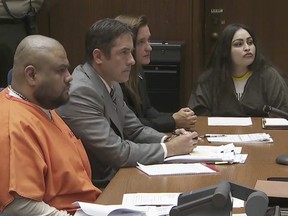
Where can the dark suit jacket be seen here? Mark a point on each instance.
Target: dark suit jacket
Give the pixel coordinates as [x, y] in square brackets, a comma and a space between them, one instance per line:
[148, 115]
[113, 136]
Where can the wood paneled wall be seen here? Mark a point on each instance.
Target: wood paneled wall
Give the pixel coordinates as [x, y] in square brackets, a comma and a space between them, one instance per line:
[69, 20]
[266, 18]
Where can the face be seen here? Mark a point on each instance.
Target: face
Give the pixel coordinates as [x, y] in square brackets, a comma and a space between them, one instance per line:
[117, 67]
[242, 49]
[52, 89]
[143, 48]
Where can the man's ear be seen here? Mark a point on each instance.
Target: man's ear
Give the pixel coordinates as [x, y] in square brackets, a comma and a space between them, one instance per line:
[97, 56]
[30, 74]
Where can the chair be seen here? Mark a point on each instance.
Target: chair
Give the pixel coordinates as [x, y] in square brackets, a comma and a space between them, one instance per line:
[9, 76]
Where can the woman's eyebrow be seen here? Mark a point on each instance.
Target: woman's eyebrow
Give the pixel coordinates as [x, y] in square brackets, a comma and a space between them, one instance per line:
[238, 39]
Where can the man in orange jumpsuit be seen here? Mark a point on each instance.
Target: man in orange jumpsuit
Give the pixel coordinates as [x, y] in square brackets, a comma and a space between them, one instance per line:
[43, 166]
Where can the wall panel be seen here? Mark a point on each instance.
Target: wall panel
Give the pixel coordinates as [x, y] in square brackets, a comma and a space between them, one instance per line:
[68, 21]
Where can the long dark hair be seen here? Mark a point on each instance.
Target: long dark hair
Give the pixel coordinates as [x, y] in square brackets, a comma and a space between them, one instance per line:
[131, 86]
[220, 65]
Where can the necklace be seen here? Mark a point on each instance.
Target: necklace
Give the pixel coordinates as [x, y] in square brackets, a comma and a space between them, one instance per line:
[17, 93]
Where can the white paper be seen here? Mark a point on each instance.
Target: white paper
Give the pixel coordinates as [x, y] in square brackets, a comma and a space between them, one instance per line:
[240, 158]
[149, 205]
[150, 199]
[174, 169]
[145, 211]
[238, 203]
[217, 149]
[275, 122]
[229, 121]
[209, 154]
[242, 138]
[156, 203]
[79, 212]
[108, 210]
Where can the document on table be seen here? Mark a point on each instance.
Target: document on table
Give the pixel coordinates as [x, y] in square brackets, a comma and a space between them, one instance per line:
[137, 204]
[156, 203]
[176, 169]
[229, 121]
[211, 154]
[241, 138]
[160, 203]
[150, 199]
[87, 209]
[275, 123]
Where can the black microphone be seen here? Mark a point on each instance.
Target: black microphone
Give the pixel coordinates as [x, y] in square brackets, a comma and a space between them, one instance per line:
[275, 112]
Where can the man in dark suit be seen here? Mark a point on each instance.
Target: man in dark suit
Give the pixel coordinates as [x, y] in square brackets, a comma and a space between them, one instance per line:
[96, 112]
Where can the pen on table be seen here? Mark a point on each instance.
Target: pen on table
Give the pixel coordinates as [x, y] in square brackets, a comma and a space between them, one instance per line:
[212, 135]
[222, 162]
[194, 138]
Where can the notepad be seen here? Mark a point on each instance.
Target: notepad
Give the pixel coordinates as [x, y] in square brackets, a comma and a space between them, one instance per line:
[242, 138]
[275, 123]
[176, 169]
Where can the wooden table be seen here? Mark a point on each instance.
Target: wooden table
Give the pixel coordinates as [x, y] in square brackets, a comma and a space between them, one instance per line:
[260, 164]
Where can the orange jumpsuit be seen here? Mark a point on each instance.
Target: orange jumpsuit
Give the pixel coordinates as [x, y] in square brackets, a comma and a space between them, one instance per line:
[40, 158]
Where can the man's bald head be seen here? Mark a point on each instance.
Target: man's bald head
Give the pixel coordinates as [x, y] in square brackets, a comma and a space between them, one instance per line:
[32, 49]
[40, 71]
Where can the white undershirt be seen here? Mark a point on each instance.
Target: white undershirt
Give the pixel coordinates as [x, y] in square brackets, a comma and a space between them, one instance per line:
[21, 206]
[240, 82]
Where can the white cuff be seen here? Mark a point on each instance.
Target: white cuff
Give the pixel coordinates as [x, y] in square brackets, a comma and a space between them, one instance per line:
[21, 206]
[164, 145]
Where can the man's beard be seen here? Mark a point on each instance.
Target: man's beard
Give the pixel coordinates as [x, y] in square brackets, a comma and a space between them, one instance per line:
[50, 102]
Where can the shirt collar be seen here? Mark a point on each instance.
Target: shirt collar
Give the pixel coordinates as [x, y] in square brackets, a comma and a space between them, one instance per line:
[11, 93]
[109, 88]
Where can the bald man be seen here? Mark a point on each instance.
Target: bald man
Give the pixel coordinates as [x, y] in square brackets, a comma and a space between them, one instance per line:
[43, 167]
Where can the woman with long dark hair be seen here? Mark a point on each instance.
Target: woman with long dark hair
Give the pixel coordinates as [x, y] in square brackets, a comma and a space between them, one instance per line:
[239, 80]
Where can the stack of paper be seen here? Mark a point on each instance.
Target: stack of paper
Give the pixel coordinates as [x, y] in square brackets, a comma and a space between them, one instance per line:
[90, 209]
[229, 121]
[136, 204]
[156, 203]
[161, 203]
[176, 169]
[156, 199]
[211, 154]
[274, 123]
[241, 138]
